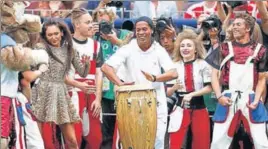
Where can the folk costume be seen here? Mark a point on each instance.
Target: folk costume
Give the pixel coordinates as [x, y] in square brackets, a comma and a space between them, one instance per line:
[193, 76]
[239, 65]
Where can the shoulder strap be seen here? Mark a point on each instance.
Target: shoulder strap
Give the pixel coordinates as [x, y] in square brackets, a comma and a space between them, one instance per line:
[95, 49]
[229, 56]
[256, 51]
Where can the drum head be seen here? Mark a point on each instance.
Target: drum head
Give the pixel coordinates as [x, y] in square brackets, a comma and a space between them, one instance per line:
[133, 87]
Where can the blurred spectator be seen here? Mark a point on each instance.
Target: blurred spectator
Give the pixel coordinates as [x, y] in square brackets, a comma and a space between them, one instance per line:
[190, 3]
[194, 11]
[154, 9]
[79, 4]
[252, 9]
[52, 8]
[92, 5]
[181, 6]
[262, 8]
[122, 12]
[33, 5]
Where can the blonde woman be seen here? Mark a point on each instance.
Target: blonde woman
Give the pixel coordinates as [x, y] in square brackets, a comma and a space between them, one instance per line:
[193, 82]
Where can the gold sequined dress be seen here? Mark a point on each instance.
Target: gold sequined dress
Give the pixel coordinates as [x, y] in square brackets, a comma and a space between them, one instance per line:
[50, 99]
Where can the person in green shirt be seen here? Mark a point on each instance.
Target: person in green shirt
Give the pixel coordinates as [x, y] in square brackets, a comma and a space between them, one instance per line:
[110, 41]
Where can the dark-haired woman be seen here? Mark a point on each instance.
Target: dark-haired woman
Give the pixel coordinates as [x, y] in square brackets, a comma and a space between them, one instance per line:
[51, 102]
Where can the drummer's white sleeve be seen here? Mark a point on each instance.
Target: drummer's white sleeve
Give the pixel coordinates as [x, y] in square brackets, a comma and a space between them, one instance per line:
[165, 60]
[119, 57]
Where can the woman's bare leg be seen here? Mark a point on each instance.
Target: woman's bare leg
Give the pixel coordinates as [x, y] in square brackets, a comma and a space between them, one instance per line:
[69, 135]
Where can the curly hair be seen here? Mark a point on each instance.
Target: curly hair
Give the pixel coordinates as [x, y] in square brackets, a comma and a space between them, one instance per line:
[66, 39]
[191, 35]
[249, 20]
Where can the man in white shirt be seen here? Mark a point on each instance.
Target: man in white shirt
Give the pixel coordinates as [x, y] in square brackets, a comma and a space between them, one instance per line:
[144, 59]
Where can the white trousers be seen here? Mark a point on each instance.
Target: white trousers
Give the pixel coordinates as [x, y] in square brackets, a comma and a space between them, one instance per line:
[33, 136]
[221, 139]
[161, 125]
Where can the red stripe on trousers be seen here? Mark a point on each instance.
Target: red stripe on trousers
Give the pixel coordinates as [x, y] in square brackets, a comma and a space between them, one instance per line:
[188, 77]
[235, 123]
[49, 136]
[200, 125]
[94, 138]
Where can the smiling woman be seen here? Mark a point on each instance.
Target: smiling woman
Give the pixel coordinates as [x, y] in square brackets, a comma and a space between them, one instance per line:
[193, 82]
[50, 100]
[187, 47]
[54, 35]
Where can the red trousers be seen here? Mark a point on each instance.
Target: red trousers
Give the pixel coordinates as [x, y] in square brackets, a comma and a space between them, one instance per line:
[6, 116]
[51, 136]
[94, 137]
[200, 126]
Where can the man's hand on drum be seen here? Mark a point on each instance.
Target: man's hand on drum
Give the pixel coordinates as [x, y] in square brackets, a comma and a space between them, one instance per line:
[225, 101]
[86, 88]
[96, 108]
[126, 83]
[148, 76]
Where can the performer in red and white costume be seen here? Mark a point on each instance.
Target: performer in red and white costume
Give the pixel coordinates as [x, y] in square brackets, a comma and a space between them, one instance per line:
[88, 105]
[27, 132]
[193, 82]
[15, 58]
[239, 67]
[253, 10]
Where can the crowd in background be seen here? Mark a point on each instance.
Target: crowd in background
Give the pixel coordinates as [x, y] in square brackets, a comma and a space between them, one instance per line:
[132, 9]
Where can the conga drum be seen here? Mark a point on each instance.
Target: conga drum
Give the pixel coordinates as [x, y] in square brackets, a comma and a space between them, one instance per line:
[136, 116]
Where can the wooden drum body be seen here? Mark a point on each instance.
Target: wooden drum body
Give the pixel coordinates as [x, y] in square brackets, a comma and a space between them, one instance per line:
[136, 116]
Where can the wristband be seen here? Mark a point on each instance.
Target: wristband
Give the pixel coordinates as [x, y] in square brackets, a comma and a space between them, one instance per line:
[154, 78]
[219, 97]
